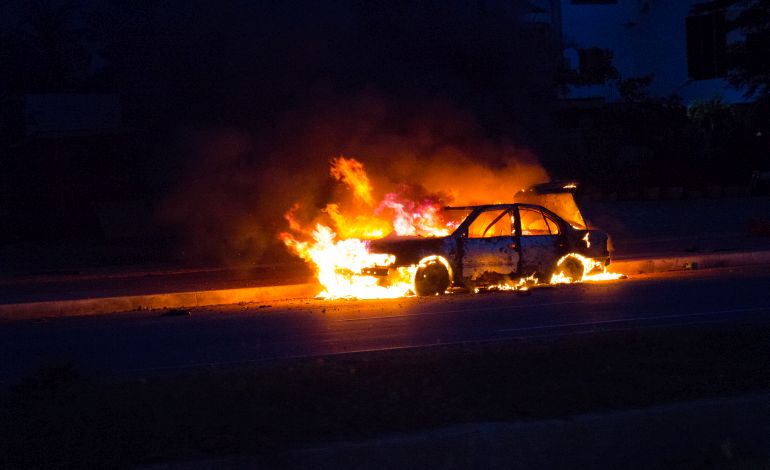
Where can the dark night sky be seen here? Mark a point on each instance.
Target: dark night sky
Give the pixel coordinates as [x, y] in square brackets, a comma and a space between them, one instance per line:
[236, 61]
[225, 103]
[242, 91]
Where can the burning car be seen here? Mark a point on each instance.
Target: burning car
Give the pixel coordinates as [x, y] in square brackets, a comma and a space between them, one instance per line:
[497, 245]
[539, 237]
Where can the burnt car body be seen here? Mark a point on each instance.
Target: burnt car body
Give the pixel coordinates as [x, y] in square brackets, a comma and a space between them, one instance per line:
[494, 244]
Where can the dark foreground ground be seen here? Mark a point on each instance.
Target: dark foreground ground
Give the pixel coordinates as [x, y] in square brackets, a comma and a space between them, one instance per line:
[62, 416]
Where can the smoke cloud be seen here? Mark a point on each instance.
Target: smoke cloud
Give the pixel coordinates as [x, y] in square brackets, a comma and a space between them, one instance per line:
[231, 198]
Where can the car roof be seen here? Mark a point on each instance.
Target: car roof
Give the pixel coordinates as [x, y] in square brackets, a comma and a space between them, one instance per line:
[498, 206]
[482, 206]
[485, 207]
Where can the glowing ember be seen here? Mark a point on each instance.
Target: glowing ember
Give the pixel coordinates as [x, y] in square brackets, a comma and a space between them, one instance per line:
[522, 284]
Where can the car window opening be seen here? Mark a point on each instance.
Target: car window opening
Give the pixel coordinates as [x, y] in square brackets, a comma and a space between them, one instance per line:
[535, 222]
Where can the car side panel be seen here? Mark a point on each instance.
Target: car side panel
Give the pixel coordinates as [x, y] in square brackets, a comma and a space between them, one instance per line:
[489, 255]
[411, 251]
[539, 253]
[593, 243]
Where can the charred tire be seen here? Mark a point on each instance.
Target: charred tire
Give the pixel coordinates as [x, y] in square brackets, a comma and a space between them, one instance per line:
[431, 279]
[572, 268]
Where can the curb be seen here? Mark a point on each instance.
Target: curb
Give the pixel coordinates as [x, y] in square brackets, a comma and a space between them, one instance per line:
[94, 306]
[688, 262]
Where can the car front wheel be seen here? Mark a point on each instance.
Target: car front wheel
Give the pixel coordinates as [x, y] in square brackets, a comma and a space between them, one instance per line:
[431, 279]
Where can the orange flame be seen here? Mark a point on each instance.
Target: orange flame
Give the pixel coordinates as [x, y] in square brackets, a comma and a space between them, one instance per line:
[416, 218]
[351, 172]
[338, 248]
[339, 263]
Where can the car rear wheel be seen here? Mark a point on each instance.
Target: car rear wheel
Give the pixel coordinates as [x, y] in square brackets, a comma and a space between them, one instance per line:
[431, 279]
[571, 267]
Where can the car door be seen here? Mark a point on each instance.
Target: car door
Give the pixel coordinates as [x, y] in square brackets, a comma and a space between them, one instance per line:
[540, 240]
[490, 245]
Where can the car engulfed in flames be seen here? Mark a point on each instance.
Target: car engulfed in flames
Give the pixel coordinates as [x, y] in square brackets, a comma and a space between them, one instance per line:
[497, 246]
[431, 249]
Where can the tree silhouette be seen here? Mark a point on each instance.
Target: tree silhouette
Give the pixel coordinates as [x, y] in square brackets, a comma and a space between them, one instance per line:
[52, 52]
[748, 57]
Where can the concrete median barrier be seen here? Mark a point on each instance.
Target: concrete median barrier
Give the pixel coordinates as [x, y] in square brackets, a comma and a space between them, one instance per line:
[695, 261]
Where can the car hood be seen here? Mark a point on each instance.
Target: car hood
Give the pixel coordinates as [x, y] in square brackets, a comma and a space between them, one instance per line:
[410, 250]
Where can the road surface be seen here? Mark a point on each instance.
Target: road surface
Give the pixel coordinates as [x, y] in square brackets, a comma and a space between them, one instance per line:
[146, 343]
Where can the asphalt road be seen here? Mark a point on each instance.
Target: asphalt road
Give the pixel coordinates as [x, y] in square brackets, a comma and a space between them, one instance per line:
[147, 343]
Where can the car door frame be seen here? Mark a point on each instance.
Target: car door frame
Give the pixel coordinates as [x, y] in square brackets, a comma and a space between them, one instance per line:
[559, 242]
[513, 243]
